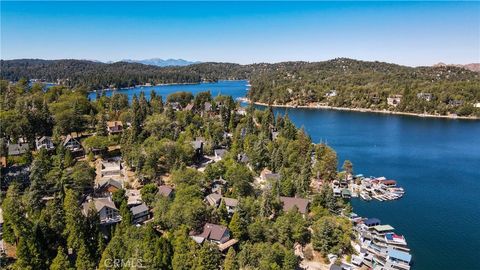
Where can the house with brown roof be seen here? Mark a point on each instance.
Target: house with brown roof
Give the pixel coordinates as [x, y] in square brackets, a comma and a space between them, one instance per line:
[165, 191]
[290, 202]
[212, 232]
[114, 127]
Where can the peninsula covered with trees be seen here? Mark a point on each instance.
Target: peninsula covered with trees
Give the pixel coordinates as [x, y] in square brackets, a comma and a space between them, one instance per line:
[342, 82]
[181, 182]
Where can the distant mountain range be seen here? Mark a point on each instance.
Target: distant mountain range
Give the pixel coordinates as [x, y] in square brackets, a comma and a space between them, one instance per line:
[473, 66]
[160, 62]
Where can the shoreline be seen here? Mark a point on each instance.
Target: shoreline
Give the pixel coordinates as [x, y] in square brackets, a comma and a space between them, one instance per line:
[327, 107]
[153, 85]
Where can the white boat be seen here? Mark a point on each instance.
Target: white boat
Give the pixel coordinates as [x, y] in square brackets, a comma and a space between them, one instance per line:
[365, 196]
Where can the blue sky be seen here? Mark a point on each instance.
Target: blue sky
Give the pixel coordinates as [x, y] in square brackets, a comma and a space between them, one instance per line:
[408, 33]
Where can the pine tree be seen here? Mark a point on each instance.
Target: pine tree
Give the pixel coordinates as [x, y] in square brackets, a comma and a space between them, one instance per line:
[39, 169]
[208, 257]
[236, 226]
[230, 262]
[84, 260]
[61, 261]
[74, 221]
[101, 127]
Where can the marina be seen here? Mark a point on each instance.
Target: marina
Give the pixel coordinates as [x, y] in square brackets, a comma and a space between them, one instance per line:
[368, 188]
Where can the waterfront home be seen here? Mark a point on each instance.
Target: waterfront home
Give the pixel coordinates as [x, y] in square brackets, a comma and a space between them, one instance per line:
[381, 230]
[346, 194]
[290, 202]
[337, 192]
[17, 149]
[73, 146]
[212, 232]
[219, 154]
[165, 191]
[455, 102]
[425, 96]
[44, 142]
[331, 93]
[397, 259]
[394, 100]
[371, 222]
[114, 127]
[140, 213]
[106, 209]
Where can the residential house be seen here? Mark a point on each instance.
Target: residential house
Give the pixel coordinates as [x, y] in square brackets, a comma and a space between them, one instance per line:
[140, 213]
[397, 259]
[241, 111]
[175, 106]
[290, 202]
[230, 204]
[212, 232]
[198, 146]
[275, 134]
[17, 149]
[165, 191]
[134, 197]
[331, 93]
[207, 106]
[346, 194]
[218, 186]
[189, 107]
[108, 186]
[73, 146]
[455, 102]
[394, 100]
[214, 199]
[243, 158]
[114, 127]
[112, 168]
[44, 142]
[105, 208]
[425, 96]
[266, 175]
[18, 173]
[220, 154]
[371, 222]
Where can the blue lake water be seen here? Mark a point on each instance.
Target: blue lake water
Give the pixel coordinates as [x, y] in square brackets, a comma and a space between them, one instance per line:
[437, 161]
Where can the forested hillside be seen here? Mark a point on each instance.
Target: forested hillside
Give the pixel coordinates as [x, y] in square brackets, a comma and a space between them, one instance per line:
[339, 82]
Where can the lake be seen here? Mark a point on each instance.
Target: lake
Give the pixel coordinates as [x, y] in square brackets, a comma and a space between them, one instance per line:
[437, 161]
